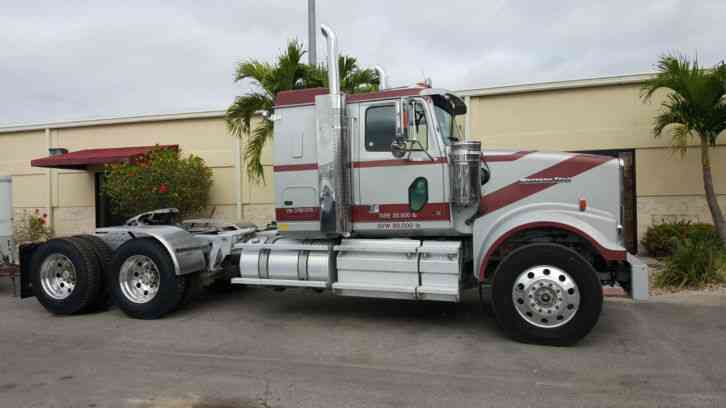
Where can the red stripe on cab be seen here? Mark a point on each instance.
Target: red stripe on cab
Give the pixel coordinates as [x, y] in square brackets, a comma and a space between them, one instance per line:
[295, 167]
[297, 214]
[518, 190]
[397, 162]
[400, 212]
[491, 158]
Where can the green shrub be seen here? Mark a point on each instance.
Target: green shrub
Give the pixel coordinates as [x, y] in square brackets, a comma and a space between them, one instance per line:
[162, 179]
[660, 239]
[696, 261]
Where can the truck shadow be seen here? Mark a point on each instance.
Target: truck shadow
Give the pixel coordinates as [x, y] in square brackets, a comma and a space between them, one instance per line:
[324, 309]
[325, 306]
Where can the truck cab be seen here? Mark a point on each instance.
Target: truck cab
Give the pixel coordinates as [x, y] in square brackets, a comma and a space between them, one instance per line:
[399, 144]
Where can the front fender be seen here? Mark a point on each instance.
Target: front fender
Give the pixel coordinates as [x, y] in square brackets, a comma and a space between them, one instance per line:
[599, 228]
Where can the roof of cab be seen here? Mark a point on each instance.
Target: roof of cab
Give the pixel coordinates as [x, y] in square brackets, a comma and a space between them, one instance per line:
[301, 97]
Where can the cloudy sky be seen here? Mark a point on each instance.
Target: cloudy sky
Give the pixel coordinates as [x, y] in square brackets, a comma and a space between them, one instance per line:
[62, 60]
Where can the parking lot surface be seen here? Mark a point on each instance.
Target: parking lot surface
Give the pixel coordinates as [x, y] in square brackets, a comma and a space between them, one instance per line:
[257, 348]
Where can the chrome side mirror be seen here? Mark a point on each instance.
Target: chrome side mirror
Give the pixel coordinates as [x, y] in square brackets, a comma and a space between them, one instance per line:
[399, 147]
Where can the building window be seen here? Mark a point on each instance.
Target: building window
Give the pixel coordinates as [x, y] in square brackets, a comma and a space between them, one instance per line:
[380, 128]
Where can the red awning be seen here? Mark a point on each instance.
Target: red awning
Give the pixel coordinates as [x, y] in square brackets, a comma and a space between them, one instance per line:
[81, 159]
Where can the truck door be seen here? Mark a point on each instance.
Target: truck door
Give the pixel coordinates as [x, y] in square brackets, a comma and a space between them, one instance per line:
[395, 196]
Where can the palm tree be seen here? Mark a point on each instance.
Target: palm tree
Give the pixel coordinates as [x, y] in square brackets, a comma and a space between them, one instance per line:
[352, 78]
[695, 108]
[286, 73]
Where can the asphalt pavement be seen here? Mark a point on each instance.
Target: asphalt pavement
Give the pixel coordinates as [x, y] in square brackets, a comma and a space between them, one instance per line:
[257, 348]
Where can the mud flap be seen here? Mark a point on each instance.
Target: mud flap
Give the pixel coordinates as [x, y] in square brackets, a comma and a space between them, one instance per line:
[23, 286]
[638, 278]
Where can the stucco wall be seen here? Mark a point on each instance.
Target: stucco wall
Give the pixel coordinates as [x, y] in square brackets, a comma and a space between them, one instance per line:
[668, 186]
[577, 119]
[70, 194]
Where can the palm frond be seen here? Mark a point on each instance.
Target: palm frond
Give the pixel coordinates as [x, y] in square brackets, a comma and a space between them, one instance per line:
[253, 69]
[347, 65]
[680, 135]
[289, 70]
[674, 72]
[663, 120]
[315, 76]
[361, 80]
[719, 122]
[239, 115]
[719, 72]
[353, 79]
[253, 151]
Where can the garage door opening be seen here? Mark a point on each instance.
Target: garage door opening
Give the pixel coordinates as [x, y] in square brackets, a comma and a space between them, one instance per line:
[105, 216]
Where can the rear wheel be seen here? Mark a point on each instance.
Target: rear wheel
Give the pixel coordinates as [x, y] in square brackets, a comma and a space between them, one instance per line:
[143, 280]
[66, 276]
[104, 255]
[546, 294]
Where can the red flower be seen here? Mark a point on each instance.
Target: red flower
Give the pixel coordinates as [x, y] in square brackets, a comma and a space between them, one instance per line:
[45, 215]
[37, 211]
[131, 174]
[163, 188]
[42, 221]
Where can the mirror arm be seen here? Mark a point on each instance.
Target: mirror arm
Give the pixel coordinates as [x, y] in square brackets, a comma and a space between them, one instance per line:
[422, 149]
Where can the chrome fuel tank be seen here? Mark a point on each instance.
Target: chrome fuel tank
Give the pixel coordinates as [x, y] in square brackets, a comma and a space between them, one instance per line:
[278, 258]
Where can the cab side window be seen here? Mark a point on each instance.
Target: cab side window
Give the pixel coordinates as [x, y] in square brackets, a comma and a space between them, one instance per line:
[380, 128]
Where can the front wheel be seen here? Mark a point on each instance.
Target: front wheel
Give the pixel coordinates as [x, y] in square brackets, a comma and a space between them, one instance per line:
[546, 294]
[143, 280]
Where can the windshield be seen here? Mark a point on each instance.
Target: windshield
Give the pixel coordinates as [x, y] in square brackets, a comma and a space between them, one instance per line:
[446, 124]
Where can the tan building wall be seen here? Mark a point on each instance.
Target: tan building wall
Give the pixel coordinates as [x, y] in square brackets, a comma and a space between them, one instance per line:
[67, 196]
[609, 117]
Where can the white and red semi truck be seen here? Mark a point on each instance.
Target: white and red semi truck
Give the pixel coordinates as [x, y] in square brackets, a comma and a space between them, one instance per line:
[377, 195]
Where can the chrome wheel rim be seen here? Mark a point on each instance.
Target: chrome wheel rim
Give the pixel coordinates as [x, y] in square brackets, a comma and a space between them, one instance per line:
[546, 296]
[58, 276]
[139, 279]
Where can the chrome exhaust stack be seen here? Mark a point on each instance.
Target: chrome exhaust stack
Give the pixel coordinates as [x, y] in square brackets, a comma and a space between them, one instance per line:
[333, 72]
[333, 148]
[382, 78]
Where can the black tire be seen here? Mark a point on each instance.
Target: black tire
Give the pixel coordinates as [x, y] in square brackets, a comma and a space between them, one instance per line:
[192, 289]
[171, 288]
[87, 276]
[104, 255]
[223, 285]
[534, 255]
